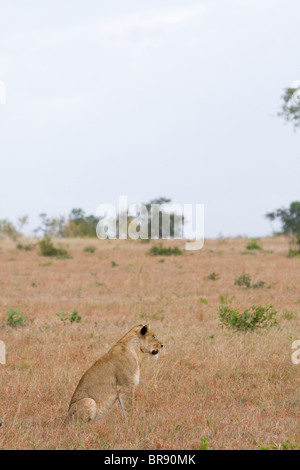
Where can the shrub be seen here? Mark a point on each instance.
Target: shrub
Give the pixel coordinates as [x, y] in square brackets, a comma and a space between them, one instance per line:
[293, 253]
[160, 250]
[74, 317]
[253, 245]
[28, 247]
[113, 264]
[48, 249]
[213, 277]
[243, 280]
[258, 285]
[90, 249]
[252, 318]
[15, 318]
[69, 317]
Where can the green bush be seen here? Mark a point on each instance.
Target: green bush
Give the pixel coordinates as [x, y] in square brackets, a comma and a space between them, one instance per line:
[69, 317]
[90, 249]
[245, 280]
[160, 250]
[252, 318]
[15, 318]
[48, 249]
[293, 254]
[213, 277]
[27, 247]
[258, 285]
[253, 245]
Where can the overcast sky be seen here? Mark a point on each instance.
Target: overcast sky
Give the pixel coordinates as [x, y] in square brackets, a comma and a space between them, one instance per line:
[146, 99]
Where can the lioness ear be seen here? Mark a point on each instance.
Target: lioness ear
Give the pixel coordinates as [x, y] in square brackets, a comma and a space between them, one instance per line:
[144, 330]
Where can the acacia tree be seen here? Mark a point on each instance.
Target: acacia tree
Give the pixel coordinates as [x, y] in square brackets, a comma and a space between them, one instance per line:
[164, 208]
[290, 220]
[176, 223]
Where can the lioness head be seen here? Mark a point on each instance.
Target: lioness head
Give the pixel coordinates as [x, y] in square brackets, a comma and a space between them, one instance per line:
[149, 342]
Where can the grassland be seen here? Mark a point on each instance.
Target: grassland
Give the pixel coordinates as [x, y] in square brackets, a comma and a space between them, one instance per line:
[232, 390]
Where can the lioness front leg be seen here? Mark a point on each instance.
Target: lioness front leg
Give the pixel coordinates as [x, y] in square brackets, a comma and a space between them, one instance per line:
[125, 397]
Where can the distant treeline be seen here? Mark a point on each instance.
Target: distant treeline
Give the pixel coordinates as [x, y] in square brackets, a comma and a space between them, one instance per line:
[77, 224]
[80, 225]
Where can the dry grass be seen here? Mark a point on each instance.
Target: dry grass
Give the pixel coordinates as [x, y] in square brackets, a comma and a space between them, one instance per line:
[238, 390]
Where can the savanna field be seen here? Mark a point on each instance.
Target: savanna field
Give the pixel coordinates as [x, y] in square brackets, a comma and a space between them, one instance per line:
[212, 386]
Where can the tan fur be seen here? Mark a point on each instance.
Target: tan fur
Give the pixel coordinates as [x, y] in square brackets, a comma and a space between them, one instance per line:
[113, 377]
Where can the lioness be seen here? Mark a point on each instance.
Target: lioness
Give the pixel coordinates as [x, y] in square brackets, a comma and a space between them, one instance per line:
[113, 377]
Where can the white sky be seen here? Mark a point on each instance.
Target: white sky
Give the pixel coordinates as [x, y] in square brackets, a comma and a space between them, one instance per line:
[147, 99]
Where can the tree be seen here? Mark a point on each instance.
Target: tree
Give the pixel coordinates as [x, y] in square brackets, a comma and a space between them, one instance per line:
[22, 221]
[8, 229]
[290, 220]
[51, 227]
[290, 109]
[165, 209]
[77, 225]
[80, 225]
[161, 218]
